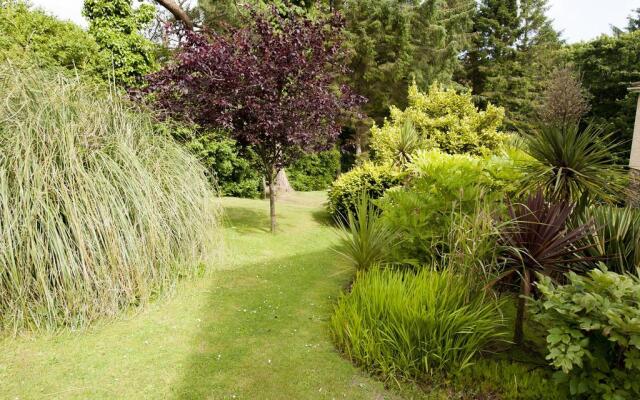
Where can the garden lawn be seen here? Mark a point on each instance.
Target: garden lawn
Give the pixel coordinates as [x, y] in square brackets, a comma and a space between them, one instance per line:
[254, 328]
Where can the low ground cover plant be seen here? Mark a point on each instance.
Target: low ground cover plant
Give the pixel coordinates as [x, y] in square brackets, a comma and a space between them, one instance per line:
[406, 323]
[593, 333]
[98, 212]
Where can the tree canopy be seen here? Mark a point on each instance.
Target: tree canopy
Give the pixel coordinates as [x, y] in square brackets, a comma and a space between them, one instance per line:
[272, 83]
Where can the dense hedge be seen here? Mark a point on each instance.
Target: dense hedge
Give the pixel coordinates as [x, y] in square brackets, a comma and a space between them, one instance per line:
[314, 171]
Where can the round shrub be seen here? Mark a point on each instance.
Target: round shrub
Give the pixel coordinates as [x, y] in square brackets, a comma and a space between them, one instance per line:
[349, 187]
[96, 212]
[402, 323]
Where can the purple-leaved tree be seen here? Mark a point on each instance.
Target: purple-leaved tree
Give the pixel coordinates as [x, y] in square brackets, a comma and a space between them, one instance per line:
[273, 84]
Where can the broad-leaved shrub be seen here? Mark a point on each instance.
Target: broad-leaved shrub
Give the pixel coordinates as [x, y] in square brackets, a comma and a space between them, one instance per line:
[593, 337]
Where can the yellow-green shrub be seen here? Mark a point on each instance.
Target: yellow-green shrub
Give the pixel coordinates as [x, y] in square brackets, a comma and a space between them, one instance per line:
[348, 188]
[445, 120]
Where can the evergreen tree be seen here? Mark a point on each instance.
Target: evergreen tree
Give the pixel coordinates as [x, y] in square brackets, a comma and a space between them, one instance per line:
[394, 42]
[513, 51]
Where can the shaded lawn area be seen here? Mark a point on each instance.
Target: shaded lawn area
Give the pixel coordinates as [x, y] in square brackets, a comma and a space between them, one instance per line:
[253, 329]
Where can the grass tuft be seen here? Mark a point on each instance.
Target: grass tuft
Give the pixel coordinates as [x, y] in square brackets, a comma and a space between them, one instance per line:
[97, 213]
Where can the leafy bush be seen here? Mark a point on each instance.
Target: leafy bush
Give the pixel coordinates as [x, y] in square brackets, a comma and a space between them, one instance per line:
[231, 167]
[373, 179]
[614, 237]
[365, 239]
[36, 37]
[594, 333]
[440, 186]
[444, 120]
[98, 212]
[407, 324]
[315, 171]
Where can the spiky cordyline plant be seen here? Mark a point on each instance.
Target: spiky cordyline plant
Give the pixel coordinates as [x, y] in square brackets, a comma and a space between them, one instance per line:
[97, 212]
[536, 240]
[365, 238]
[574, 165]
[614, 237]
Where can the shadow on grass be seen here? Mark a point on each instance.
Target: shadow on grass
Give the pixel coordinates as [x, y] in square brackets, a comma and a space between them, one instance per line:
[323, 217]
[257, 326]
[246, 220]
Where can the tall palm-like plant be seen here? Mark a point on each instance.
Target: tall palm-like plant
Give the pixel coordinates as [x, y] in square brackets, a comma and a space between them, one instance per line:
[571, 164]
[407, 143]
[536, 240]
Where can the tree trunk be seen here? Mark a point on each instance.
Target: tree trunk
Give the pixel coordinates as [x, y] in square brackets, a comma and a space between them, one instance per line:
[282, 183]
[272, 204]
[525, 291]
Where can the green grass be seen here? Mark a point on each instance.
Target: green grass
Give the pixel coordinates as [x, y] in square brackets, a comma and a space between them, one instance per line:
[254, 329]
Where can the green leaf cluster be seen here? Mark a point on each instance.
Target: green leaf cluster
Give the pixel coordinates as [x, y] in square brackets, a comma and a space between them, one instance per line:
[608, 65]
[116, 27]
[443, 119]
[314, 171]
[33, 37]
[593, 336]
[441, 186]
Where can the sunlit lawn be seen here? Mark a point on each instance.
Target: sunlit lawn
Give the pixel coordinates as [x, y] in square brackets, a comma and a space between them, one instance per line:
[253, 329]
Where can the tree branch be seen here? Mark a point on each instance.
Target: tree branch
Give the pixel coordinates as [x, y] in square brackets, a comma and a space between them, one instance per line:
[175, 9]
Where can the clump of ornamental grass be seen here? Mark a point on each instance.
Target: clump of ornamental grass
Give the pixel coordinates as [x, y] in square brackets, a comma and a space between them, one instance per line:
[410, 324]
[97, 213]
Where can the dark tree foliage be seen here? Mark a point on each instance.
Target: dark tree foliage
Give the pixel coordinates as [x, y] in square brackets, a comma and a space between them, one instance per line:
[514, 50]
[393, 42]
[272, 83]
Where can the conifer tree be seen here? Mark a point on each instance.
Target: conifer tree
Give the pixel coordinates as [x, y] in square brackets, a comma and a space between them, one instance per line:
[513, 51]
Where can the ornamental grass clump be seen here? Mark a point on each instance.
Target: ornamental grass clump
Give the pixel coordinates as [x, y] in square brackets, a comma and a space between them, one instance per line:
[97, 213]
[407, 324]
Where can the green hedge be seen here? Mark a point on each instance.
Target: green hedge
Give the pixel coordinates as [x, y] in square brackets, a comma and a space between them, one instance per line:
[314, 171]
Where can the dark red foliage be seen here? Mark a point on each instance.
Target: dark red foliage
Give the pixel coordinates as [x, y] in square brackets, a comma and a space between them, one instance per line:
[537, 240]
[271, 83]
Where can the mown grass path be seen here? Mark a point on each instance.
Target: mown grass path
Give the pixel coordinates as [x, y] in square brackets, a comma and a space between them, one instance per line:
[254, 329]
